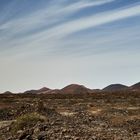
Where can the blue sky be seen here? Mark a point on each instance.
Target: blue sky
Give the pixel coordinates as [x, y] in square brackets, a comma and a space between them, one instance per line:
[58, 42]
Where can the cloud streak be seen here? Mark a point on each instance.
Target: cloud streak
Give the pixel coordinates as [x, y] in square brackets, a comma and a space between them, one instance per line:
[23, 30]
[52, 11]
[63, 30]
[21, 26]
[92, 21]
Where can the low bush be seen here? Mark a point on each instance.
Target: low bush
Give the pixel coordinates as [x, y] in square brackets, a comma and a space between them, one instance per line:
[27, 121]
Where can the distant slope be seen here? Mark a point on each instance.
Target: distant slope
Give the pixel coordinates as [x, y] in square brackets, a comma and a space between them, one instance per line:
[115, 87]
[135, 86]
[42, 90]
[51, 91]
[75, 89]
[7, 93]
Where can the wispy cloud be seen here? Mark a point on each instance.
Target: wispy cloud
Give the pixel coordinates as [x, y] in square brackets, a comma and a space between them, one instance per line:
[83, 4]
[40, 28]
[48, 15]
[25, 29]
[92, 21]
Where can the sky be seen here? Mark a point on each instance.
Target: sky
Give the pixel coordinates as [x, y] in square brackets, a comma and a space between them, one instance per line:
[54, 43]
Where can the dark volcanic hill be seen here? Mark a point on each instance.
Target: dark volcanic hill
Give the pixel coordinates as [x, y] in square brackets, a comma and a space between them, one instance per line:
[42, 90]
[7, 93]
[115, 87]
[75, 88]
[51, 91]
[135, 86]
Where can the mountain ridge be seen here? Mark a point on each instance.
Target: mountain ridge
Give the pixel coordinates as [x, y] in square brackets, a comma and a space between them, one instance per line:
[77, 88]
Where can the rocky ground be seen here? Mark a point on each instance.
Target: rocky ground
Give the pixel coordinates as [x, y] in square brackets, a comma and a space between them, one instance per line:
[96, 116]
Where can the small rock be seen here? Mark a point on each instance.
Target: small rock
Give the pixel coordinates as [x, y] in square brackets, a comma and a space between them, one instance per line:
[42, 135]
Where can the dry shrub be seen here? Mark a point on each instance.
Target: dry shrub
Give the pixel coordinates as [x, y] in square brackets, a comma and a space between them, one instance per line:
[27, 121]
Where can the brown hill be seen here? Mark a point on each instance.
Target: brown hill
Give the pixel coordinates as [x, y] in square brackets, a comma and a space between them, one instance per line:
[115, 87]
[7, 93]
[51, 91]
[135, 86]
[75, 89]
[42, 90]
